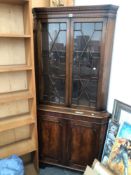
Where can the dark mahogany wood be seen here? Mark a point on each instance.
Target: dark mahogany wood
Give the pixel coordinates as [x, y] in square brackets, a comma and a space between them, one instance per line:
[51, 133]
[71, 128]
[69, 139]
[82, 136]
[106, 15]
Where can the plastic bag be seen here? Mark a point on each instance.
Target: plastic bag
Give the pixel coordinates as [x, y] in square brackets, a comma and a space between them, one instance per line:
[12, 165]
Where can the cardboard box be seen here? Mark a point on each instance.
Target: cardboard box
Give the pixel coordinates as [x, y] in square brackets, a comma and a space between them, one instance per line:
[89, 171]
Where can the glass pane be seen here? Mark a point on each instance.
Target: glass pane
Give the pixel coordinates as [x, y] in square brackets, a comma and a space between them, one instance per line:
[77, 26]
[53, 30]
[86, 64]
[96, 37]
[98, 26]
[84, 92]
[87, 29]
[78, 40]
[63, 26]
[54, 59]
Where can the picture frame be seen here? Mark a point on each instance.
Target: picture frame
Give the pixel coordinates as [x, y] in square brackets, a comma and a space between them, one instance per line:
[121, 112]
[120, 156]
[112, 131]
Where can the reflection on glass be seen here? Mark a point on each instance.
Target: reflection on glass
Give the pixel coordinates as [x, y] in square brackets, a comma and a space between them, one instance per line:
[62, 26]
[77, 26]
[98, 26]
[87, 39]
[54, 58]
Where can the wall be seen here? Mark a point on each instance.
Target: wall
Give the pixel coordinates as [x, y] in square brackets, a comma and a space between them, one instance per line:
[40, 3]
[120, 83]
[46, 3]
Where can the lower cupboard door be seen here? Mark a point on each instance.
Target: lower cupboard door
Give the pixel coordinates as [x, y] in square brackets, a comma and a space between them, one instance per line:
[83, 144]
[50, 137]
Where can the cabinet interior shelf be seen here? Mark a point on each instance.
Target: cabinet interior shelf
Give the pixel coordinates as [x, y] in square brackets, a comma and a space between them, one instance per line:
[14, 35]
[18, 121]
[13, 96]
[15, 68]
[18, 148]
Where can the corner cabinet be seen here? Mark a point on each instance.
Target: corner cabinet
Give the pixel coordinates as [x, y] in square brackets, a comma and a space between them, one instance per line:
[73, 59]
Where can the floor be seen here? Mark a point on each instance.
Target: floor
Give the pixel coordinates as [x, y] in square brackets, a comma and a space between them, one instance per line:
[58, 171]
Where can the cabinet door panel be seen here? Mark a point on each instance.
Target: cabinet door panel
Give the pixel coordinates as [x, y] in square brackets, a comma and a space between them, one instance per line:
[51, 139]
[87, 38]
[54, 42]
[83, 143]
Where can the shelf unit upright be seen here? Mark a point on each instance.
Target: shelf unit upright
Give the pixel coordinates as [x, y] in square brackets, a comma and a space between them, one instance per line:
[18, 126]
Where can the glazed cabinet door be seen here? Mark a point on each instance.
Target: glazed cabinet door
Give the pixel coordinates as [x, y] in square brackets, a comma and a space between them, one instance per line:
[53, 58]
[86, 56]
[50, 139]
[83, 143]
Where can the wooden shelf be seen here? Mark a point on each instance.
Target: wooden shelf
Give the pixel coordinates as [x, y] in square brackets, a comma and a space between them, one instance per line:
[14, 1]
[14, 35]
[14, 17]
[15, 96]
[14, 68]
[18, 127]
[18, 148]
[18, 121]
